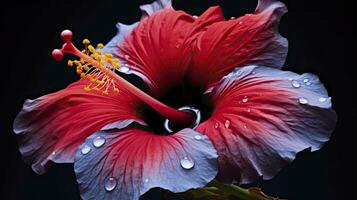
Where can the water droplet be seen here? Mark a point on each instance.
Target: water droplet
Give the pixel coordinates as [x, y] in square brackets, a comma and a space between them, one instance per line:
[248, 110]
[110, 184]
[232, 18]
[227, 123]
[187, 163]
[216, 125]
[249, 14]
[253, 72]
[85, 149]
[290, 79]
[146, 180]
[124, 69]
[306, 80]
[177, 45]
[245, 126]
[53, 153]
[295, 84]
[195, 16]
[245, 99]
[98, 141]
[240, 22]
[302, 100]
[198, 137]
[308, 83]
[322, 99]
[127, 57]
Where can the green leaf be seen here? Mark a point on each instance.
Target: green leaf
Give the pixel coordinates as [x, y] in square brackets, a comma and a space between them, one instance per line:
[219, 191]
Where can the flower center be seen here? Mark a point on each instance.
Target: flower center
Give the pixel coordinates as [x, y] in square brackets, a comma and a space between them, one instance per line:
[100, 70]
[170, 127]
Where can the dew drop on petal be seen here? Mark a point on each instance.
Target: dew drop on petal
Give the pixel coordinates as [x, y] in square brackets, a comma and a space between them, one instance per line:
[194, 16]
[53, 153]
[245, 99]
[240, 22]
[306, 80]
[248, 110]
[227, 123]
[216, 125]
[85, 149]
[187, 163]
[198, 137]
[98, 141]
[322, 99]
[295, 84]
[178, 45]
[308, 83]
[245, 126]
[232, 18]
[110, 184]
[124, 69]
[302, 100]
[146, 180]
[290, 79]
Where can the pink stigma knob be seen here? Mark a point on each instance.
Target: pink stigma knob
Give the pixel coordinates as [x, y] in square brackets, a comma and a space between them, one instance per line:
[66, 35]
[57, 54]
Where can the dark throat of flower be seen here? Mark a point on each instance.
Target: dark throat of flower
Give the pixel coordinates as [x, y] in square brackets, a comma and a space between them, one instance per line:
[100, 70]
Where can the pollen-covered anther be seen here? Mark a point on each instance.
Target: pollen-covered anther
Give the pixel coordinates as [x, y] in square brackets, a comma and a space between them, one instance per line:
[86, 42]
[100, 45]
[91, 48]
[87, 88]
[70, 63]
[105, 92]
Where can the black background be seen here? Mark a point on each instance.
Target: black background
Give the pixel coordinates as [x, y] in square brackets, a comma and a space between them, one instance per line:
[29, 31]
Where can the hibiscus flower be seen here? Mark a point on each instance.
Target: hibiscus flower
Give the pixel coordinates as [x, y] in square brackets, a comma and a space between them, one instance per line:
[234, 115]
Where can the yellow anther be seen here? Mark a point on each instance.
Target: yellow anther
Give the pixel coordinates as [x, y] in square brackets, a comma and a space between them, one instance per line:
[108, 55]
[85, 67]
[70, 63]
[105, 92]
[87, 88]
[100, 45]
[109, 61]
[91, 48]
[79, 71]
[98, 82]
[116, 60]
[89, 76]
[82, 60]
[83, 51]
[116, 90]
[85, 41]
[83, 75]
[92, 80]
[96, 89]
[99, 51]
[76, 62]
[117, 65]
[80, 68]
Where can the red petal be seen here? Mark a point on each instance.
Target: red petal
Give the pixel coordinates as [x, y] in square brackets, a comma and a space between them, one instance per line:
[251, 39]
[263, 117]
[53, 126]
[126, 164]
[154, 45]
[160, 44]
